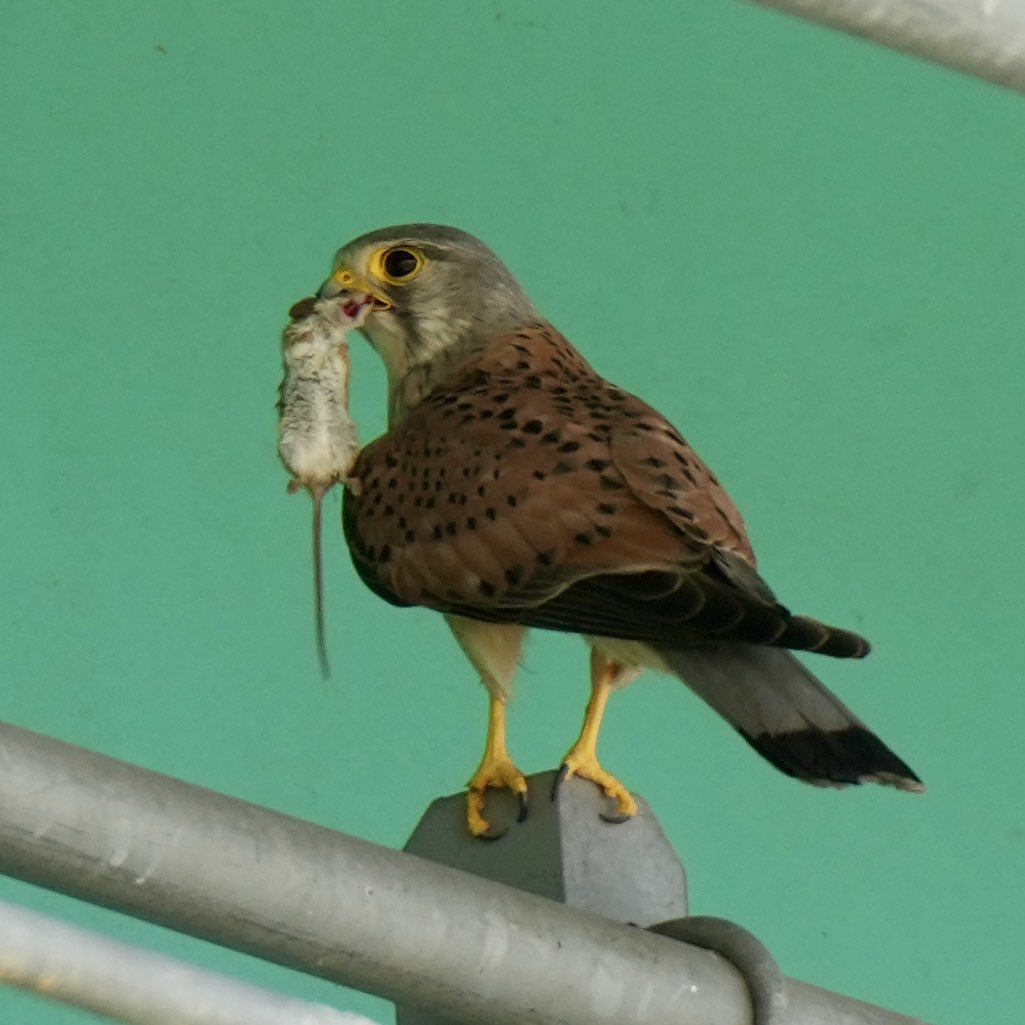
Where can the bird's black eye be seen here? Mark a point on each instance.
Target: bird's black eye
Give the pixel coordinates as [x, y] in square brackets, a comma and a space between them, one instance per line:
[399, 264]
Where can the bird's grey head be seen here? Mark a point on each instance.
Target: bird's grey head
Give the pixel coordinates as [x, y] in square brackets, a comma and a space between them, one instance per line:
[439, 295]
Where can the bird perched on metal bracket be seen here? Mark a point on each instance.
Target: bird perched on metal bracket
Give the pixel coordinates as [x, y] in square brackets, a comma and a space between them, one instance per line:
[517, 488]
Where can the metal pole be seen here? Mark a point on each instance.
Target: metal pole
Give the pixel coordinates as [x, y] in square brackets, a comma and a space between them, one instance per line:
[82, 968]
[985, 38]
[343, 909]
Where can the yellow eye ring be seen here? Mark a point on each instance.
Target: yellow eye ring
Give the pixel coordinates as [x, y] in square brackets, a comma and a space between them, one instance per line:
[397, 264]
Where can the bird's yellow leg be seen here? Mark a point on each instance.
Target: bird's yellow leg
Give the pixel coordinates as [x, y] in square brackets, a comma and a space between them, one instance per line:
[496, 770]
[582, 758]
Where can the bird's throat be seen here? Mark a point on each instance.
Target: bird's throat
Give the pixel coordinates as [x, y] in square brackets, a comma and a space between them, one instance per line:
[424, 375]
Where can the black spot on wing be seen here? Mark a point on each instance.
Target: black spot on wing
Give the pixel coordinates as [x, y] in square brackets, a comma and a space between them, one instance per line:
[363, 556]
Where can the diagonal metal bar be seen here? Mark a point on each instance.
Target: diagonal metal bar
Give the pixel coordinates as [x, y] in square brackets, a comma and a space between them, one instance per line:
[985, 38]
[85, 969]
[343, 909]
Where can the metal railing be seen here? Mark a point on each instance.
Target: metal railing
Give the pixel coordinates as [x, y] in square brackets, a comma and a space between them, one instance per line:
[337, 907]
[84, 969]
[985, 38]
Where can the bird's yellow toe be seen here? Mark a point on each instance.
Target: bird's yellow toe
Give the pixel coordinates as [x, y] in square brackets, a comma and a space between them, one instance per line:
[585, 764]
[496, 774]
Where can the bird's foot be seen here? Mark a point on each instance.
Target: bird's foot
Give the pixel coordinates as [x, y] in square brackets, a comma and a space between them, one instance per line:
[583, 763]
[500, 774]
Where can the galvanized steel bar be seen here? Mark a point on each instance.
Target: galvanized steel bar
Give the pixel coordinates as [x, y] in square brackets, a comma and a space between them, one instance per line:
[350, 911]
[985, 38]
[82, 968]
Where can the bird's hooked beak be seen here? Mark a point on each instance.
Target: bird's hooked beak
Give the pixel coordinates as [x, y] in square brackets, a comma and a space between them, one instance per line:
[345, 280]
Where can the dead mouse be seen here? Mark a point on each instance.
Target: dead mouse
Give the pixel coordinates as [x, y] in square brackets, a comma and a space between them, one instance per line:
[318, 441]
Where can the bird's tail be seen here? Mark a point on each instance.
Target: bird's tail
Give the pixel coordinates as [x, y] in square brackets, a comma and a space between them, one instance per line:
[788, 716]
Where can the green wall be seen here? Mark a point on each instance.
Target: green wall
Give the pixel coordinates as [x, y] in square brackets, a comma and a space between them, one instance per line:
[807, 251]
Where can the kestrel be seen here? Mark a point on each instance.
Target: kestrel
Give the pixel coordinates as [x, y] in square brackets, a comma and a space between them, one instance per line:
[517, 488]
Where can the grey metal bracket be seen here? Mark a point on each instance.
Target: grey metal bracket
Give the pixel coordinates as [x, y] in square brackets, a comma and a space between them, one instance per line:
[765, 983]
[563, 850]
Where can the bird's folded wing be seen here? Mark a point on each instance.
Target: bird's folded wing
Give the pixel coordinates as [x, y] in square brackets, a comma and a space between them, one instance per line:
[531, 490]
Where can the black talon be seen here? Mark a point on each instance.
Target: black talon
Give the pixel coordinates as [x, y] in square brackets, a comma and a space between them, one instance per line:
[615, 819]
[491, 835]
[521, 815]
[559, 780]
